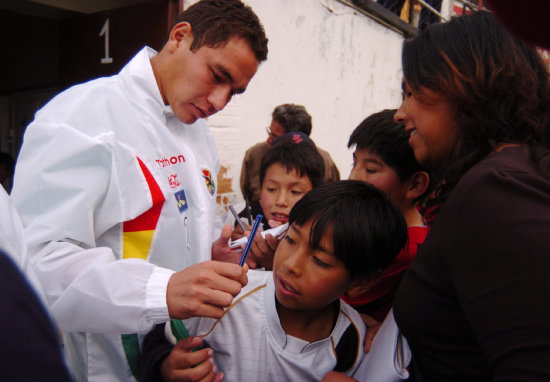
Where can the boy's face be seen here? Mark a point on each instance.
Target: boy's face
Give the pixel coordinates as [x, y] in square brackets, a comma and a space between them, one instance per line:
[280, 191]
[307, 279]
[370, 168]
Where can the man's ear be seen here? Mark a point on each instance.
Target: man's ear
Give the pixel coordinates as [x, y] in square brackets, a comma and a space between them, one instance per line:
[179, 32]
[361, 286]
[418, 184]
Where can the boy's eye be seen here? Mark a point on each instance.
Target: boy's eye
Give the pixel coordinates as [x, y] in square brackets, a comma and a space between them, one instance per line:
[271, 189]
[289, 240]
[319, 262]
[296, 192]
[370, 171]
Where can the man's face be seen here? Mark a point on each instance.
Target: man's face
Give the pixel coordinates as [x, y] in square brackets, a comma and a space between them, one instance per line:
[198, 84]
[274, 131]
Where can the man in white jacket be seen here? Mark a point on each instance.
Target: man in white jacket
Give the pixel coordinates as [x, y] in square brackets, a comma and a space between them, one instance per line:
[116, 184]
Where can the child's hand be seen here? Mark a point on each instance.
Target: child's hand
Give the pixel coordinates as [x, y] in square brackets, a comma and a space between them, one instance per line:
[333, 376]
[238, 232]
[222, 252]
[184, 364]
[372, 329]
[262, 251]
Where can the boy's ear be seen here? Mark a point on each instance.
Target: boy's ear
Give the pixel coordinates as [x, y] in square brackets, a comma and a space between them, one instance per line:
[361, 286]
[418, 184]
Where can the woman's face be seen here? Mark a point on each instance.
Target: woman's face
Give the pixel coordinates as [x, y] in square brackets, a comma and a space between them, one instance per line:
[429, 120]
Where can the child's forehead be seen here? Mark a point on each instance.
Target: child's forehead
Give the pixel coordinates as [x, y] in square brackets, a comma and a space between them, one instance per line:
[369, 154]
[282, 170]
[306, 229]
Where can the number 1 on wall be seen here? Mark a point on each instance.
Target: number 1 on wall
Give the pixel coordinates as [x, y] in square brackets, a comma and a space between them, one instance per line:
[105, 32]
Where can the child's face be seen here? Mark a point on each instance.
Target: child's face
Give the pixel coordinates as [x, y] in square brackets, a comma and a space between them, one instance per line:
[280, 191]
[370, 168]
[307, 279]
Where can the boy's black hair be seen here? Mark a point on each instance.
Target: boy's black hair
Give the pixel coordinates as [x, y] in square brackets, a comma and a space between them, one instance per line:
[382, 136]
[295, 151]
[368, 230]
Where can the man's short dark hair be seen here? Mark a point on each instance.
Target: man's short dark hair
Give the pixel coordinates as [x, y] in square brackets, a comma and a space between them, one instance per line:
[382, 136]
[292, 118]
[214, 22]
[295, 151]
[368, 230]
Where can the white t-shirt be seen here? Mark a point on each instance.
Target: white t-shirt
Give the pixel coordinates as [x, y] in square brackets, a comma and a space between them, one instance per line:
[250, 344]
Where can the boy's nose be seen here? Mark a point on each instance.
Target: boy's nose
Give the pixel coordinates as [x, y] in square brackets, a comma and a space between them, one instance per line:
[293, 263]
[282, 199]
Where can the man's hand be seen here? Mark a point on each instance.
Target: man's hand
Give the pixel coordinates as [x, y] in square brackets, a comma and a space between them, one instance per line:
[204, 289]
[185, 365]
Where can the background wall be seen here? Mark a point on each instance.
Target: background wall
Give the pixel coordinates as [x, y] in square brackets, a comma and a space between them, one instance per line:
[340, 64]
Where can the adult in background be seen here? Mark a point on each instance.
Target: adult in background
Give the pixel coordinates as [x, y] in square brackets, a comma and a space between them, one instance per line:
[115, 185]
[475, 303]
[286, 118]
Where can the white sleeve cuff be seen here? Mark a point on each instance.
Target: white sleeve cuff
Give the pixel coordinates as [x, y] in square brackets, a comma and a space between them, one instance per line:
[155, 297]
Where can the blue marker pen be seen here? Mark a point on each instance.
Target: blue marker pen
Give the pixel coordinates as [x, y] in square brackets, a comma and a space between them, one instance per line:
[250, 239]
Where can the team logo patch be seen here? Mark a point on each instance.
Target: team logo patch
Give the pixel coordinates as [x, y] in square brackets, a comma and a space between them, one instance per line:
[181, 201]
[173, 180]
[210, 185]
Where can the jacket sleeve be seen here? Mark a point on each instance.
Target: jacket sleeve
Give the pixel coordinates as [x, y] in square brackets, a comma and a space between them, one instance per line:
[68, 193]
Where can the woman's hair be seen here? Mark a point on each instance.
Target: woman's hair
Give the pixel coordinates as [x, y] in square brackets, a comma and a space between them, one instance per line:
[499, 85]
[295, 151]
[368, 230]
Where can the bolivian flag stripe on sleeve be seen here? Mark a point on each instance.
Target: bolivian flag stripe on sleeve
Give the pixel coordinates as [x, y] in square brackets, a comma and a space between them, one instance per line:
[138, 233]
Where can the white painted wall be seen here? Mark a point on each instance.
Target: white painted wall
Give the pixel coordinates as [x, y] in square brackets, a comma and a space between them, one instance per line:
[340, 64]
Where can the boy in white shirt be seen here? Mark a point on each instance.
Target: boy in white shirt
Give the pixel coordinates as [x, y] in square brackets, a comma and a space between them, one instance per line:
[289, 324]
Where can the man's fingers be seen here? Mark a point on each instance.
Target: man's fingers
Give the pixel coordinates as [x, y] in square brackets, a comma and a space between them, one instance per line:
[232, 271]
[202, 289]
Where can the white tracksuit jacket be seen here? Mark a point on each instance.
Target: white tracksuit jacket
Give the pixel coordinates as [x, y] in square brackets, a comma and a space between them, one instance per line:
[115, 194]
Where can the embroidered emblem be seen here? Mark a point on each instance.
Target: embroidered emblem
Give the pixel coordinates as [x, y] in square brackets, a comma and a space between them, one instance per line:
[173, 180]
[181, 201]
[210, 185]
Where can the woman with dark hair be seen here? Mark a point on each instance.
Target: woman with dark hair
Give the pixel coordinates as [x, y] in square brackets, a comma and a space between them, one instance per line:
[475, 303]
